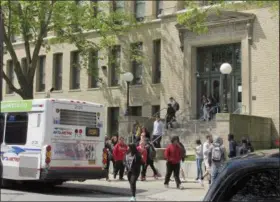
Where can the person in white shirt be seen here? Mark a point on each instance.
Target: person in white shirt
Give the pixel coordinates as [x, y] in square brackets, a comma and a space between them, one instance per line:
[199, 159]
[206, 147]
[158, 131]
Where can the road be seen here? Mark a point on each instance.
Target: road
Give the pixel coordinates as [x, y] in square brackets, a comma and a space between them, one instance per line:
[59, 193]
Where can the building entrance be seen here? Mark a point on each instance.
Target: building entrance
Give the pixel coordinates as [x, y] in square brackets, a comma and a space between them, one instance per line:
[210, 82]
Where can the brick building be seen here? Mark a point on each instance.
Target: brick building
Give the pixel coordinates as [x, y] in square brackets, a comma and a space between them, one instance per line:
[177, 63]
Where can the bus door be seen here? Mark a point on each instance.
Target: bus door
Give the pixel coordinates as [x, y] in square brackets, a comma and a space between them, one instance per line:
[21, 148]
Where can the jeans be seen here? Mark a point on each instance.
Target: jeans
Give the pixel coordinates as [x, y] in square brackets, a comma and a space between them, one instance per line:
[132, 179]
[215, 171]
[170, 168]
[119, 167]
[151, 164]
[157, 141]
[199, 168]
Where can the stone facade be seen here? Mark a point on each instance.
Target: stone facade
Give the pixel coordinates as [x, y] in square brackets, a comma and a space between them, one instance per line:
[260, 64]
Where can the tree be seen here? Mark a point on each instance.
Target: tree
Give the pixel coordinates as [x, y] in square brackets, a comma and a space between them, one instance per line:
[70, 20]
[195, 16]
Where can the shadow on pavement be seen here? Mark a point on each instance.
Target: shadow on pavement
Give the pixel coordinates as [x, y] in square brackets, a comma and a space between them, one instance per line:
[59, 190]
[104, 189]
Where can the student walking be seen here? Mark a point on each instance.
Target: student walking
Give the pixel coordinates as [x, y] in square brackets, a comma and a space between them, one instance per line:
[142, 150]
[206, 147]
[133, 163]
[151, 154]
[158, 131]
[216, 157]
[199, 159]
[173, 155]
[232, 146]
[109, 148]
[119, 152]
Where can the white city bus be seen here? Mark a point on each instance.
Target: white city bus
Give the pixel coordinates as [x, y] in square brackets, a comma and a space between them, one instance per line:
[51, 140]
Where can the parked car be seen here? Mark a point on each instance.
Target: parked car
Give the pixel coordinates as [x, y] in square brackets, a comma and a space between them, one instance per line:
[253, 177]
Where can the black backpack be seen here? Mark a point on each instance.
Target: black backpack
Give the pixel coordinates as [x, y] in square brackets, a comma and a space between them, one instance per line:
[177, 106]
[183, 151]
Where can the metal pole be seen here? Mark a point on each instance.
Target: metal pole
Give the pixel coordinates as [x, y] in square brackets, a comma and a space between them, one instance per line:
[127, 100]
[225, 110]
[1, 52]
[128, 112]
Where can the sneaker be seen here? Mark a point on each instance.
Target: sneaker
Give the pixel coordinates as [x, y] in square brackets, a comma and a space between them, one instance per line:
[156, 177]
[121, 179]
[143, 178]
[196, 179]
[132, 198]
[201, 182]
[180, 187]
[166, 186]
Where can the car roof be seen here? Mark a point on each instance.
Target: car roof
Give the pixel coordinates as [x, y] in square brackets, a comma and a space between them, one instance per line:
[269, 157]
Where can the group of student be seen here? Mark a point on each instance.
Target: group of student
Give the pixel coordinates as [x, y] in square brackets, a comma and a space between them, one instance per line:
[213, 154]
[136, 157]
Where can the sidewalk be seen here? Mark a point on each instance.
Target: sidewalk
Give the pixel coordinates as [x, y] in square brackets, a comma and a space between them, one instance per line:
[148, 190]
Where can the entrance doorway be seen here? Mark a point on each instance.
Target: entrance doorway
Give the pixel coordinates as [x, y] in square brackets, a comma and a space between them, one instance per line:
[210, 82]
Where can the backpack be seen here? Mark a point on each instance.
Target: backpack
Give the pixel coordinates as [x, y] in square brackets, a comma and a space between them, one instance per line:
[217, 154]
[152, 152]
[183, 151]
[177, 106]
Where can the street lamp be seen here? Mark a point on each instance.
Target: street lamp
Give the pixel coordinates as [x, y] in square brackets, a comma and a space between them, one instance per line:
[127, 77]
[225, 69]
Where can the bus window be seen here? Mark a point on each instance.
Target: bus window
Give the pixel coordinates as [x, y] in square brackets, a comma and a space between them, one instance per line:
[16, 128]
[2, 120]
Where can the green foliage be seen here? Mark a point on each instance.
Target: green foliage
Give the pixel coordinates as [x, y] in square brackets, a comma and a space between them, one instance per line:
[195, 17]
[72, 21]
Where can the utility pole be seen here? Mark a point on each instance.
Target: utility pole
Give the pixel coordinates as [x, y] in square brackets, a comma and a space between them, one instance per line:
[1, 52]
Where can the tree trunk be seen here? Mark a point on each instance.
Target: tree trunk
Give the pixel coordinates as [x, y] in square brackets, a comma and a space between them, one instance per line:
[27, 92]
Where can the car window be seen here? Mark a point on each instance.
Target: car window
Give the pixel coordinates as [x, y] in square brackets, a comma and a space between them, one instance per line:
[259, 185]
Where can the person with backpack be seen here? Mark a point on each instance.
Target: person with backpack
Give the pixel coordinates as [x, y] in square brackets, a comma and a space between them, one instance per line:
[216, 157]
[109, 148]
[174, 104]
[133, 162]
[173, 155]
[151, 155]
[142, 150]
[232, 146]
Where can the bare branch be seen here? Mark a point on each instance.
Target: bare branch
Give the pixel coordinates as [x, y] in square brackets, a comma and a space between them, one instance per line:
[11, 50]
[43, 30]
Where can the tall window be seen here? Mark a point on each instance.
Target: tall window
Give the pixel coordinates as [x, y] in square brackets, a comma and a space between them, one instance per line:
[93, 69]
[137, 64]
[136, 111]
[139, 10]
[118, 6]
[159, 7]
[16, 128]
[75, 71]
[57, 71]
[115, 62]
[113, 121]
[157, 61]
[41, 74]
[155, 110]
[10, 75]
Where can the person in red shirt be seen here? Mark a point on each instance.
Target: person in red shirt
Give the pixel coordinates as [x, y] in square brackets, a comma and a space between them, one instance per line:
[143, 151]
[173, 155]
[119, 153]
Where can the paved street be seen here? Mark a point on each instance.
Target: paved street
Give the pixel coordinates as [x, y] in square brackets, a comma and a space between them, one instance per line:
[57, 194]
[101, 190]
